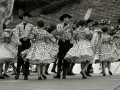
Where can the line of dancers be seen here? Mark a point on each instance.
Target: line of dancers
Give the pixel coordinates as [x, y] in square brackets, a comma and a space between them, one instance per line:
[64, 43]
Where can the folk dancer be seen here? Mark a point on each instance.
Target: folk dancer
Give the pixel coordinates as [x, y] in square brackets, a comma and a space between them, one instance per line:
[8, 53]
[42, 51]
[64, 33]
[22, 33]
[82, 51]
[108, 51]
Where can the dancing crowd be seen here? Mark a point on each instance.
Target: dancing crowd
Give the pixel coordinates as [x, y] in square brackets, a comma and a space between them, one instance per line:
[83, 42]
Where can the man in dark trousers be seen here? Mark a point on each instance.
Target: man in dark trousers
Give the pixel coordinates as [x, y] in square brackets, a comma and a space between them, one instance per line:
[71, 64]
[22, 33]
[64, 31]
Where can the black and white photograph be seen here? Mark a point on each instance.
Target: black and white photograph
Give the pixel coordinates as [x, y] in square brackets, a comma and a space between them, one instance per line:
[59, 44]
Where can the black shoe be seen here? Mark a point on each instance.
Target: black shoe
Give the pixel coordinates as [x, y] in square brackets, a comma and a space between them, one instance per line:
[58, 73]
[44, 77]
[70, 73]
[6, 75]
[16, 76]
[89, 75]
[47, 73]
[73, 73]
[13, 74]
[17, 73]
[2, 77]
[104, 74]
[64, 73]
[83, 75]
[64, 77]
[110, 72]
[26, 72]
[39, 78]
[29, 72]
[53, 71]
[57, 76]
[25, 77]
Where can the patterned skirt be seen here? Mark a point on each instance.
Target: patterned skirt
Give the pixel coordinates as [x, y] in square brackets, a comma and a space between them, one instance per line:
[80, 52]
[109, 52]
[40, 53]
[8, 53]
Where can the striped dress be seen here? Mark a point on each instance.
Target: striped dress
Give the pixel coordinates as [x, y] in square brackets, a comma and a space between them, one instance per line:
[43, 50]
[108, 50]
[8, 53]
[82, 50]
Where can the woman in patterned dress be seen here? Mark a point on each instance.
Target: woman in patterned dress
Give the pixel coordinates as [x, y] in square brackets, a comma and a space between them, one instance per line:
[13, 43]
[7, 52]
[117, 42]
[96, 40]
[82, 51]
[108, 52]
[12, 46]
[51, 30]
[42, 50]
